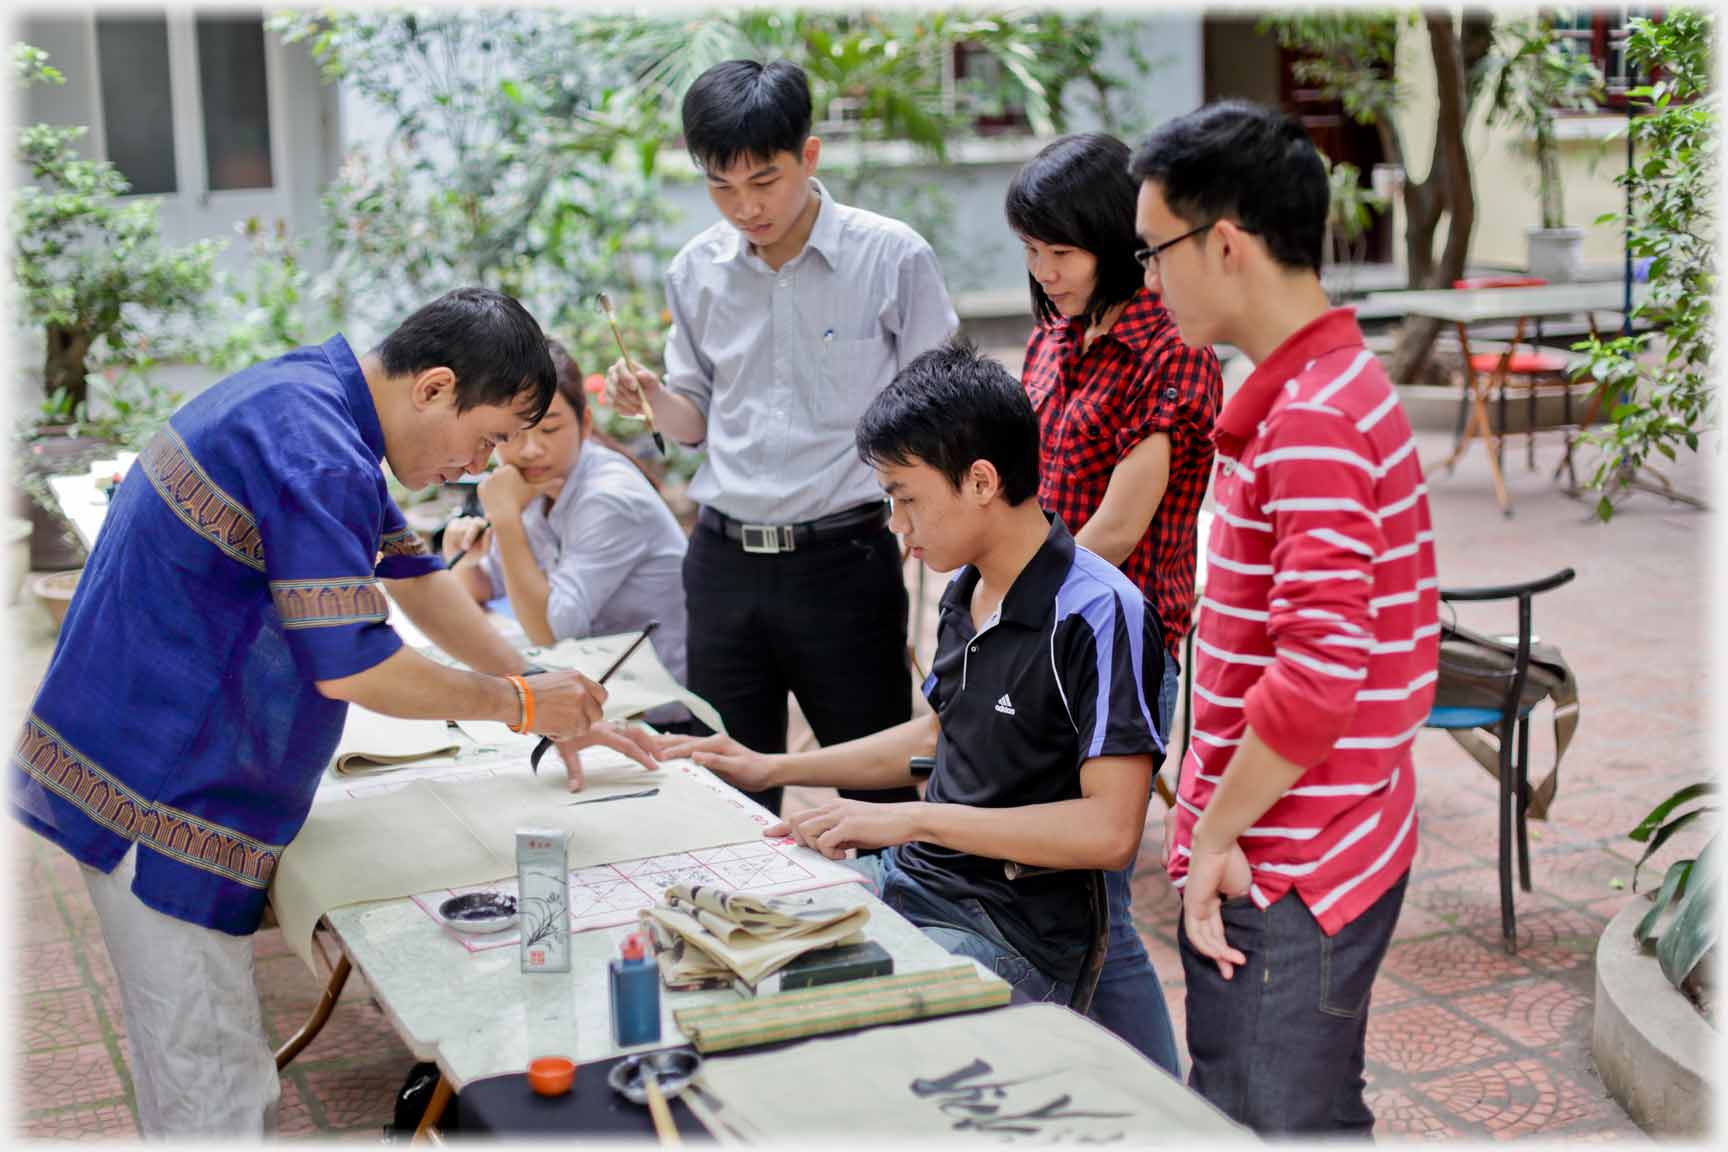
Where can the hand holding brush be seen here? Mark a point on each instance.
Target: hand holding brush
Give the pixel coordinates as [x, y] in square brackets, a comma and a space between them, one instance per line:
[605, 303]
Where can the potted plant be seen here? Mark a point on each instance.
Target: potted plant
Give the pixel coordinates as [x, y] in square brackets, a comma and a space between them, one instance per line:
[1350, 212]
[1680, 926]
[1536, 76]
[96, 283]
[1654, 1032]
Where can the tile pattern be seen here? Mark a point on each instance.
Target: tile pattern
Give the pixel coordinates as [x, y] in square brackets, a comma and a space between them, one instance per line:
[1465, 1043]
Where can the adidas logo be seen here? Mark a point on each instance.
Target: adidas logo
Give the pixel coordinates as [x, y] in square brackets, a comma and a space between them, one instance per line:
[1005, 705]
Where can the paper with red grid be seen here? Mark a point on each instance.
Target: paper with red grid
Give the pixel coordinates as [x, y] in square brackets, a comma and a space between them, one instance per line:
[608, 895]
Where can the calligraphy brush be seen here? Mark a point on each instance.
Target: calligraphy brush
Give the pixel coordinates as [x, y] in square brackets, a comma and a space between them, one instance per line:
[605, 302]
[457, 559]
[546, 741]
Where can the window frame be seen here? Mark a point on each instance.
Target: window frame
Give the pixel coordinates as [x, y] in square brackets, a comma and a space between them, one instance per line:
[1604, 40]
[191, 160]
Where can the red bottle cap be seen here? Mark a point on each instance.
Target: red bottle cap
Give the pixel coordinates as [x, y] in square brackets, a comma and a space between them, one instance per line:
[635, 947]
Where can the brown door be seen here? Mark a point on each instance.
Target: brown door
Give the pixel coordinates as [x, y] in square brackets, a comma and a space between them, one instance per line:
[1243, 63]
[1341, 138]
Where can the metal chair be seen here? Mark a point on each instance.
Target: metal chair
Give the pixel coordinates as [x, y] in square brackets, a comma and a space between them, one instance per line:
[1511, 368]
[1510, 722]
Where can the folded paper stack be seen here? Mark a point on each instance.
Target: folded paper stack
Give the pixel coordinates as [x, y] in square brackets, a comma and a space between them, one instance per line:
[706, 933]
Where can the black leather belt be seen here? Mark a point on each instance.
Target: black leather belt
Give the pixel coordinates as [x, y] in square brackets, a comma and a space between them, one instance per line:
[772, 539]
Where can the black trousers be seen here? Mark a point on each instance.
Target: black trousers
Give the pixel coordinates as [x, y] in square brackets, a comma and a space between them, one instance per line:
[827, 623]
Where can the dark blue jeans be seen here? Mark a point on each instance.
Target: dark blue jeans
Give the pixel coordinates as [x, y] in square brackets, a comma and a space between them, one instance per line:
[1278, 1047]
[1129, 1000]
[962, 927]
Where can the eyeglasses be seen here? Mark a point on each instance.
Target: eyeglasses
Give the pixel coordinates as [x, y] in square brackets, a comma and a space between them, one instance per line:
[1148, 257]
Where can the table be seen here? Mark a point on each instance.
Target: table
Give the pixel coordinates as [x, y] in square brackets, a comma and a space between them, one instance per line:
[85, 505]
[476, 1015]
[1464, 307]
[506, 1106]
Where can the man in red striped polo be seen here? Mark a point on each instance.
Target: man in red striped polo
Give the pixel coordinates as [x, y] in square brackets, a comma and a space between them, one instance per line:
[1295, 822]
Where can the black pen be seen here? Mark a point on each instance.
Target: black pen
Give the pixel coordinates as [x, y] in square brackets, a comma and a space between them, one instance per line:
[546, 741]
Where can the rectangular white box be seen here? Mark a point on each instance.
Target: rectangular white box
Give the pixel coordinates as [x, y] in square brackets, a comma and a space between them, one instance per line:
[543, 898]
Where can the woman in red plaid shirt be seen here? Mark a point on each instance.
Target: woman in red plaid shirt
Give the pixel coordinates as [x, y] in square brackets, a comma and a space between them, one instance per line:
[1125, 413]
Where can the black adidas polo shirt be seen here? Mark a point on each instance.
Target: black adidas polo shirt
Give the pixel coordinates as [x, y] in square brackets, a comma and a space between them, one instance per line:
[1068, 670]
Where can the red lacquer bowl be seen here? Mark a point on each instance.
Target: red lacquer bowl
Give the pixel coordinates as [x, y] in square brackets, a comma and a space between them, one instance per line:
[551, 1075]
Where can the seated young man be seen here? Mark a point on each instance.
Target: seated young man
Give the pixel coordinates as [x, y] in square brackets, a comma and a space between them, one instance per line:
[1047, 668]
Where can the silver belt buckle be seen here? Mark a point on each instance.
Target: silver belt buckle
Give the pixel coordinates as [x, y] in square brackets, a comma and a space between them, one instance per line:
[767, 539]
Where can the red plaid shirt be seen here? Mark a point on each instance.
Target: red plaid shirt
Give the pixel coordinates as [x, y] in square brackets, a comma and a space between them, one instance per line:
[1093, 409]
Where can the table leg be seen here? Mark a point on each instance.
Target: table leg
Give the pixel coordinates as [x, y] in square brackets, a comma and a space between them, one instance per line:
[1573, 430]
[320, 1016]
[1491, 444]
[1473, 391]
[1479, 418]
[1565, 464]
[1596, 399]
[434, 1109]
[1477, 390]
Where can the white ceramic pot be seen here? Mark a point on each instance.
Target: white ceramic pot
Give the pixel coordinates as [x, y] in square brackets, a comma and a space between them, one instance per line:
[1554, 253]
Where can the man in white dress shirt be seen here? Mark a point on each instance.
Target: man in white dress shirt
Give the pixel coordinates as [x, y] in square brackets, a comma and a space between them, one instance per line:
[789, 315]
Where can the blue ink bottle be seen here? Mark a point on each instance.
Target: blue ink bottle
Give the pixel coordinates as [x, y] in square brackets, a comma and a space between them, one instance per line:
[634, 980]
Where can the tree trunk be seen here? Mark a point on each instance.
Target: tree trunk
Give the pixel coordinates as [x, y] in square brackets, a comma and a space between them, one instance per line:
[64, 366]
[1447, 191]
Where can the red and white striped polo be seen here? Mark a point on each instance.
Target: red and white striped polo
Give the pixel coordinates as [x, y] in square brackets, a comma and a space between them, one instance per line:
[1319, 624]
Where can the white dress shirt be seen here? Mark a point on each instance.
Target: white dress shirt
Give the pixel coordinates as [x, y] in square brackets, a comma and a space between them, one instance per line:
[783, 363]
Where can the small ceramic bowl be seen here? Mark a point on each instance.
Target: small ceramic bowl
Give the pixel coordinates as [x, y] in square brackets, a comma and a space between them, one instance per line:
[672, 1070]
[479, 913]
[551, 1075]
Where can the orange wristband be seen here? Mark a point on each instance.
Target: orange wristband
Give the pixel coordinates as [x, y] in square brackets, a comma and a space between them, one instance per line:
[525, 697]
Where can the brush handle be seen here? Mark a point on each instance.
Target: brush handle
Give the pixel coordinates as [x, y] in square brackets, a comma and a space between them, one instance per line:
[647, 408]
[665, 1128]
[546, 741]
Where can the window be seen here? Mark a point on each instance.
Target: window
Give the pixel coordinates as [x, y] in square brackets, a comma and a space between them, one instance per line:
[137, 100]
[213, 69]
[979, 83]
[1602, 36]
[231, 80]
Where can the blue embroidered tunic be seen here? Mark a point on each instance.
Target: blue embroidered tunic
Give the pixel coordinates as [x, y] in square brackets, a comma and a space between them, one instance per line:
[238, 565]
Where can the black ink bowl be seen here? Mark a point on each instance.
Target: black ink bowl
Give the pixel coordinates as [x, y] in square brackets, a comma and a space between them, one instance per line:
[479, 912]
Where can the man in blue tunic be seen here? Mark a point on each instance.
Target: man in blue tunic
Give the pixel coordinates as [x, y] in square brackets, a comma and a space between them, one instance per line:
[231, 609]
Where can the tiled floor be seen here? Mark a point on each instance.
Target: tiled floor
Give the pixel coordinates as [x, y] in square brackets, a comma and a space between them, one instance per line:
[1464, 1042]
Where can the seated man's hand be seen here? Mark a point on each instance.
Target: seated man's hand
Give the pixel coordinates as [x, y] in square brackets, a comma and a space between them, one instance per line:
[723, 756]
[628, 741]
[833, 827]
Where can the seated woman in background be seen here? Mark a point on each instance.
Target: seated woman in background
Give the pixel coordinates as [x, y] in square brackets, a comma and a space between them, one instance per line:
[578, 538]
